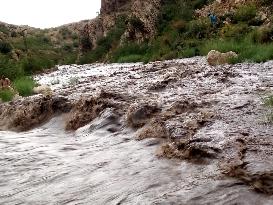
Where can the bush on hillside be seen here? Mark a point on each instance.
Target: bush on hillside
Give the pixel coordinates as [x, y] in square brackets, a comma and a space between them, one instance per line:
[6, 95]
[132, 51]
[200, 28]
[235, 31]
[24, 86]
[179, 25]
[263, 35]
[4, 29]
[86, 43]
[245, 13]
[130, 58]
[5, 47]
[34, 64]
[10, 68]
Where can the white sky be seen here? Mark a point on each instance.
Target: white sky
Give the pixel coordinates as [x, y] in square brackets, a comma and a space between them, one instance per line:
[47, 13]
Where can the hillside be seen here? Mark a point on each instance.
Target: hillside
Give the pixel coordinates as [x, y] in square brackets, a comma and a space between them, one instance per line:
[147, 30]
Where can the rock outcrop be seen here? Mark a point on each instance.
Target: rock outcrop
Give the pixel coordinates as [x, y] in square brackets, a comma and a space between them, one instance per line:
[218, 58]
[43, 89]
[110, 6]
[146, 12]
[4, 83]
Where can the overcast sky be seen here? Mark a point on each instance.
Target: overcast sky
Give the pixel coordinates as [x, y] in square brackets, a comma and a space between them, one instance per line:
[47, 13]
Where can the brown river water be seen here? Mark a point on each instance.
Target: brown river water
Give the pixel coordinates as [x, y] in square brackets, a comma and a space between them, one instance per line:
[49, 166]
[103, 162]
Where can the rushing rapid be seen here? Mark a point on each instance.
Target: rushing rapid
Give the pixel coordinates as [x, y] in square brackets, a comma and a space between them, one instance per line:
[211, 113]
[50, 166]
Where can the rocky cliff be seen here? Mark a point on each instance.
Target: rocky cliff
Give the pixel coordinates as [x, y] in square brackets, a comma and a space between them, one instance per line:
[110, 6]
[145, 12]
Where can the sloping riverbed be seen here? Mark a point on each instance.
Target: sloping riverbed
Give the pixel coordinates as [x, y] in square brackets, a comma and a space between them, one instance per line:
[174, 132]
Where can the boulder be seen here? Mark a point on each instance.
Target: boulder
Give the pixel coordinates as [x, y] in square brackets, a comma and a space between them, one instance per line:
[43, 89]
[5, 83]
[217, 58]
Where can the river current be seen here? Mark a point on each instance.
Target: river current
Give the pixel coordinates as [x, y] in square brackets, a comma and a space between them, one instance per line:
[49, 166]
[104, 163]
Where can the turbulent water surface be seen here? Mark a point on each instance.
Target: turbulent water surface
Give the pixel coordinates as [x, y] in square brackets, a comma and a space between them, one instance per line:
[96, 165]
[49, 166]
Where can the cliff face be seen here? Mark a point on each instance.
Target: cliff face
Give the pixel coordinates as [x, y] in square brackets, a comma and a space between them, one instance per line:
[145, 11]
[109, 6]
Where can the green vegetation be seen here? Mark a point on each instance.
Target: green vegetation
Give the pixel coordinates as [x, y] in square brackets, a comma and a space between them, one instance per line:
[24, 86]
[181, 34]
[6, 95]
[246, 48]
[5, 47]
[245, 13]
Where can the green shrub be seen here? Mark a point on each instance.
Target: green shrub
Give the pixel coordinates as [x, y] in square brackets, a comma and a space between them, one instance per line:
[67, 47]
[169, 56]
[188, 52]
[86, 43]
[199, 28]
[69, 58]
[179, 25]
[136, 23]
[13, 34]
[9, 68]
[263, 35]
[34, 64]
[130, 59]
[6, 95]
[105, 44]
[131, 51]
[245, 13]
[24, 86]
[5, 47]
[4, 29]
[236, 31]
[269, 101]
[38, 42]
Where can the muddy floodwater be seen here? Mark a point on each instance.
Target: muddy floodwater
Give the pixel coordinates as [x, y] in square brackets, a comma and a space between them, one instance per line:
[49, 166]
[174, 132]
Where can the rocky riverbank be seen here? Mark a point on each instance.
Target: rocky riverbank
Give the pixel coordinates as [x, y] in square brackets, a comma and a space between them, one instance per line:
[196, 112]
